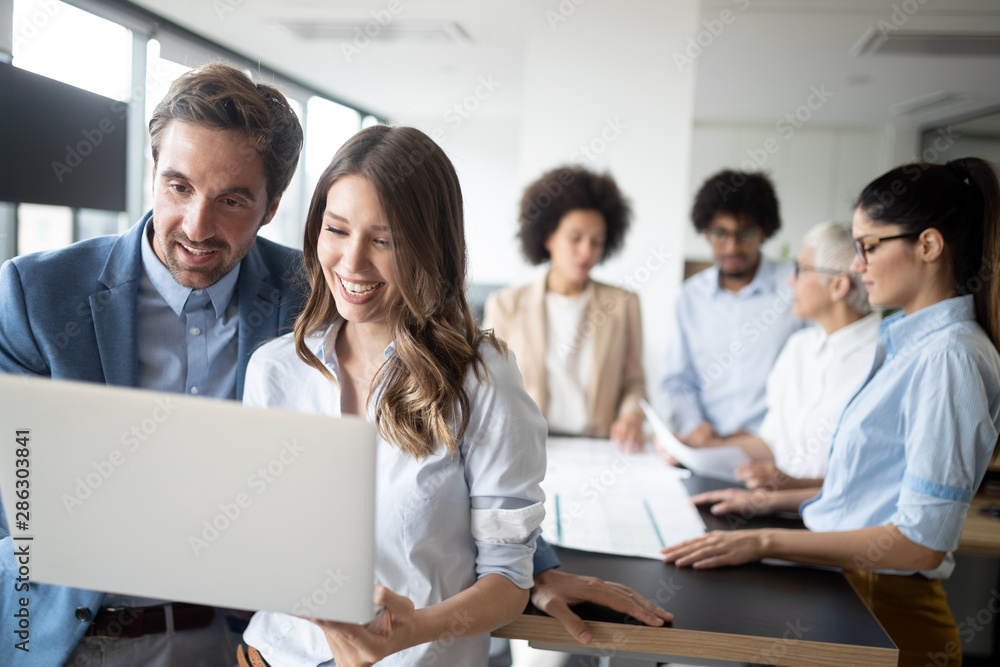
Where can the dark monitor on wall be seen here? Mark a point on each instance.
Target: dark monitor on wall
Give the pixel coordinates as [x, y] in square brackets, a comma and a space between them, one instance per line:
[59, 144]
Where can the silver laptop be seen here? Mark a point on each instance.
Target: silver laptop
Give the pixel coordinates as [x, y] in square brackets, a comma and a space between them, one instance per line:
[189, 499]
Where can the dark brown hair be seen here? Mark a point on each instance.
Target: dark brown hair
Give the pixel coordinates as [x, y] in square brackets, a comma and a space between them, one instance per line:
[222, 97]
[962, 201]
[423, 396]
[559, 191]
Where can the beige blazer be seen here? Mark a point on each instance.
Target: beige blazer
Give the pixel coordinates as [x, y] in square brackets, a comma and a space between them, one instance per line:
[617, 382]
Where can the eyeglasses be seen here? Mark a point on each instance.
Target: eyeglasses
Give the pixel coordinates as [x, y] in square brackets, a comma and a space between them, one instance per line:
[717, 235]
[866, 244]
[799, 268]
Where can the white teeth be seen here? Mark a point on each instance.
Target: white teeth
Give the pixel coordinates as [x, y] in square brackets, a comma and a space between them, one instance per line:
[356, 289]
[196, 252]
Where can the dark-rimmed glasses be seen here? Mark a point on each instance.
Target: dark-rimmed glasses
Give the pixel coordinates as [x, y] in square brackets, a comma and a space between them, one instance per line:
[799, 268]
[718, 235]
[866, 244]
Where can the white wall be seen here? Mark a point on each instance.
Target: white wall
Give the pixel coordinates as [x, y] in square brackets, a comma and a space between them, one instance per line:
[818, 171]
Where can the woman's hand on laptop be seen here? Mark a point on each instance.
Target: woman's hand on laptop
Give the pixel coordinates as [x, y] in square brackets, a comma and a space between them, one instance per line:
[355, 645]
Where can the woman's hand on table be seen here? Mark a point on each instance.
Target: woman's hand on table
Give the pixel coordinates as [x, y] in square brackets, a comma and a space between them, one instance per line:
[627, 432]
[555, 592]
[718, 548]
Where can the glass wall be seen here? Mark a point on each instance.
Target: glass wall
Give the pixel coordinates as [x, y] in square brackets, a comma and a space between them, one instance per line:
[99, 52]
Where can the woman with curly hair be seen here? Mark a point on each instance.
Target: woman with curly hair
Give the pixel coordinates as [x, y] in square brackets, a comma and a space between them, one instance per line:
[578, 342]
[387, 334]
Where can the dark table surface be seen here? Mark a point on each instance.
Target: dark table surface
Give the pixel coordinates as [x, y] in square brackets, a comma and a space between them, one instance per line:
[764, 600]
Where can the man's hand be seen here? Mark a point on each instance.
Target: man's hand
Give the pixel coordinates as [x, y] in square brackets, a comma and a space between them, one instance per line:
[556, 591]
[701, 436]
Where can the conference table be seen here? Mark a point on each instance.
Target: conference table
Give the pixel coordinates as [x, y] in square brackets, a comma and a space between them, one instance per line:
[765, 613]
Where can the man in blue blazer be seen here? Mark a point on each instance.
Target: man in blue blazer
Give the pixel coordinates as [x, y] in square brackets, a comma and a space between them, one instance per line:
[177, 303]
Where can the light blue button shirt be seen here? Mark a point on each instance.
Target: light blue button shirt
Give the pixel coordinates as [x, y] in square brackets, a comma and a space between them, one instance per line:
[722, 347]
[913, 444]
[188, 339]
[440, 522]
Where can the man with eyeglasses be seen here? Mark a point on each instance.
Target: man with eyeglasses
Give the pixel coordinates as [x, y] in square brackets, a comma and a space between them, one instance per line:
[731, 319]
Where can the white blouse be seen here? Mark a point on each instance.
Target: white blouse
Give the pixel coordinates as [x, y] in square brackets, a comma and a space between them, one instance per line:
[569, 360]
[811, 381]
[441, 522]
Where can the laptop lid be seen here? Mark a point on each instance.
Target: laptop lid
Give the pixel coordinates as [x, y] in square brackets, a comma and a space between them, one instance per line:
[190, 499]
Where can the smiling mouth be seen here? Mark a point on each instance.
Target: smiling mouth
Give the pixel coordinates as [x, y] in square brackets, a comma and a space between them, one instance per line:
[198, 252]
[359, 289]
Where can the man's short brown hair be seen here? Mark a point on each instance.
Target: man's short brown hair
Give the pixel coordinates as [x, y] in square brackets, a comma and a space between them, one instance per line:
[220, 96]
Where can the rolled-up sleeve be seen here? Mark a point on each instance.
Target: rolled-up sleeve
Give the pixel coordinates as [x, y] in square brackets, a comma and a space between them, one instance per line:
[949, 442]
[504, 450]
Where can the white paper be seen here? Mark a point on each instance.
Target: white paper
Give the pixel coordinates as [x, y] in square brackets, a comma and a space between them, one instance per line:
[598, 498]
[717, 462]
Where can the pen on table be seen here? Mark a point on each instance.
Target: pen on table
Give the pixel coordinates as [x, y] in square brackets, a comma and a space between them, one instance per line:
[558, 520]
[649, 513]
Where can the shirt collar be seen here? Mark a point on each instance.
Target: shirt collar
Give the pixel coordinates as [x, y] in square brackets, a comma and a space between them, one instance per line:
[175, 294]
[856, 334]
[328, 340]
[903, 331]
[763, 279]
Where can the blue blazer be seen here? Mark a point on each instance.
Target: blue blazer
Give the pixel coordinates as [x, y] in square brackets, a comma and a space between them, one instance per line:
[71, 314]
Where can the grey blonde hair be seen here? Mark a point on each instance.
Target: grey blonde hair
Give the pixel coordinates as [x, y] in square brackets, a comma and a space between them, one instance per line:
[833, 243]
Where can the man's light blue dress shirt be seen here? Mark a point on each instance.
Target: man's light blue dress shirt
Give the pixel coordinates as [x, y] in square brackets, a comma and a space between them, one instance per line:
[188, 340]
[722, 347]
[913, 444]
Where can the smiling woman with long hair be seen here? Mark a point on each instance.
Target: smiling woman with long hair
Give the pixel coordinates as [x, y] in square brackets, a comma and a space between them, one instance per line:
[914, 442]
[387, 335]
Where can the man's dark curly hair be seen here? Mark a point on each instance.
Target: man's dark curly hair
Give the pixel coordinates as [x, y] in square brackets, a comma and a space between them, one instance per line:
[564, 189]
[747, 196]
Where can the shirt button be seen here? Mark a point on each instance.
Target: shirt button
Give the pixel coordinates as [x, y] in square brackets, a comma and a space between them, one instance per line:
[197, 292]
[194, 390]
[82, 614]
[194, 331]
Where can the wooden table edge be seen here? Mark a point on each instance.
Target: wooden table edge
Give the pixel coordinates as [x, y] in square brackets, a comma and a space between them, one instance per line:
[700, 644]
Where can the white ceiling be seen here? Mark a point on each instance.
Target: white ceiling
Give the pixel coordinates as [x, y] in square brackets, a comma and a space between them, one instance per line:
[760, 67]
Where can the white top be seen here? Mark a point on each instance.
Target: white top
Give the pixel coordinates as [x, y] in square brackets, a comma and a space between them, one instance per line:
[569, 358]
[441, 523]
[812, 380]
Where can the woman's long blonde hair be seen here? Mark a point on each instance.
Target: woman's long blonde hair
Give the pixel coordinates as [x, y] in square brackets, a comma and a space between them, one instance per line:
[422, 400]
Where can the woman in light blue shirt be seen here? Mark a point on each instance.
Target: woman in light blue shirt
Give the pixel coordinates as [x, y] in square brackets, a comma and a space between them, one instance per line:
[387, 335]
[913, 444]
